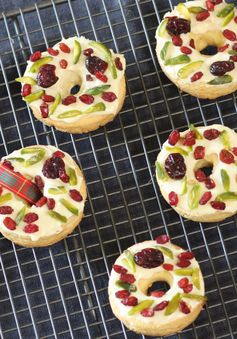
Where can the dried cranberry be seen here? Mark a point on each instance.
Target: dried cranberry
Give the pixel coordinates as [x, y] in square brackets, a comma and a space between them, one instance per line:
[210, 6]
[205, 198]
[119, 269]
[188, 288]
[157, 294]
[30, 217]
[52, 51]
[168, 267]
[202, 16]
[234, 46]
[189, 139]
[6, 210]
[161, 306]
[95, 64]
[31, 228]
[196, 76]
[210, 183]
[233, 58]
[50, 203]
[192, 43]
[177, 41]
[9, 223]
[174, 137]
[35, 56]
[226, 157]
[88, 51]
[118, 64]
[75, 195]
[230, 35]
[48, 98]
[44, 109]
[186, 255]
[175, 166]
[63, 63]
[223, 48]
[186, 50]
[184, 307]
[211, 134]
[218, 205]
[64, 48]
[109, 96]
[41, 202]
[199, 152]
[149, 258]
[39, 182]
[162, 239]
[46, 76]
[70, 99]
[183, 263]
[58, 154]
[122, 294]
[86, 99]
[148, 312]
[52, 166]
[183, 282]
[173, 198]
[63, 176]
[219, 68]
[102, 77]
[130, 301]
[8, 164]
[234, 150]
[127, 278]
[177, 26]
[26, 90]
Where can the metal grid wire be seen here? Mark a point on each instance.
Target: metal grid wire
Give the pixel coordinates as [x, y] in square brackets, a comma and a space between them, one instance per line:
[61, 291]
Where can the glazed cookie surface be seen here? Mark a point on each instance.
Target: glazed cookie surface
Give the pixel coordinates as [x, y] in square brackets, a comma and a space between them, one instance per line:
[196, 172]
[196, 47]
[159, 312]
[76, 86]
[60, 208]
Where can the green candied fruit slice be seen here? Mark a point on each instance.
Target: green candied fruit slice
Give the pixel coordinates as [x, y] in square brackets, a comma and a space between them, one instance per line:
[225, 139]
[178, 60]
[160, 171]
[232, 52]
[181, 8]
[173, 304]
[27, 80]
[141, 306]
[166, 251]
[176, 150]
[194, 197]
[221, 80]
[16, 159]
[57, 190]
[30, 150]
[187, 70]
[164, 50]
[97, 90]
[108, 55]
[194, 297]
[20, 215]
[225, 179]
[162, 28]
[74, 113]
[225, 11]
[184, 271]
[35, 158]
[196, 9]
[72, 176]
[55, 104]
[227, 196]
[37, 64]
[195, 278]
[5, 197]
[228, 19]
[57, 216]
[33, 96]
[126, 286]
[76, 52]
[195, 130]
[184, 188]
[70, 207]
[130, 259]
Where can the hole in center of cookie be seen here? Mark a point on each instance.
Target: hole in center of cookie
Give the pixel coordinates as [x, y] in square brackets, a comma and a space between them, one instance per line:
[158, 288]
[206, 166]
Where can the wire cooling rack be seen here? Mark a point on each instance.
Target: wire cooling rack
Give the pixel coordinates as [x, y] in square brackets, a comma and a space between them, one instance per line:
[61, 291]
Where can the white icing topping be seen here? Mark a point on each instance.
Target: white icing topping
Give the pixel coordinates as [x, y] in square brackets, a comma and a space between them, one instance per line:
[47, 225]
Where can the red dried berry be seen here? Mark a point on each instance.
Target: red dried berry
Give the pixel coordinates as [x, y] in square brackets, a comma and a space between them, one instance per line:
[26, 90]
[86, 99]
[192, 43]
[218, 205]
[234, 150]
[157, 294]
[173, 198]
[174, 137]
[216, 2]
[8, 164]
[234, 46]
[58, 154]
[44, 109]
[175, 166]
[149, 258]
[48, 98]
[109, 96]
[46, 76]
[53, 52]
[6, 210]
[63, 63]
[199, 152]
[223, 48]
[177, 41]
[30, 217]
[39, 182]
[35, 56]
[52, 166]
[233, 58]
[226, 157]
[161, 306]
[41, 202]
[210, 6]
[148, 312]
[64, 48]
[177, 26]
[186, 255]
[9, 223]
[183, 282]
[196, 76]
[211, 134]
[130, 301]
[183, 263]
[89, 77]
[95, 64]
[220, 68]
[210, 183]
[50, 203]
[184, 307]
[70, 99]
[75, 195]
[119, 269]
[88, 51]
[122, 294]
[188, 288]
[118, 64]
[63, 176]
[162, 239]
[102, 77]
[230, 35]
[200, 175]
[168, 267]
[189, 139]
[31, 228]
[186, 50]
[202, 16]
[127, 278]
[205, 198]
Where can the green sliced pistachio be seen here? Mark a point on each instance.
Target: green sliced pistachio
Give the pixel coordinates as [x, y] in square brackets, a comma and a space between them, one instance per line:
[195, 278]
[187, 70]
[29, 150]
[35, 158]
[178, 60]
[126, 263]
[166, 251]
[181, 8]
[227, 196]
[140, 307]
[72, 176]
[194, 197]
[33, 96]
[55, 104]
[130, 260]
[196, 9]
[164, 50]
[173, 304]
[225, 139]
[97, 90]
[70, 114]
[5, 197]
[221, 80]
[225, 11]
[37, 64]
[232, 52]
[184, 271]
[225, 179]
[228, 19]
[160, 171]
[57, 216]
[70, 207]
[126, 286]
[76, 52]
[184, 188]
[57, 190]
[27, 80]
[16, 159]
[162, 28]
[20, 215]
[176, 150]
[108, 55]
[74, 113]
[195, 130]
[194, 297]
